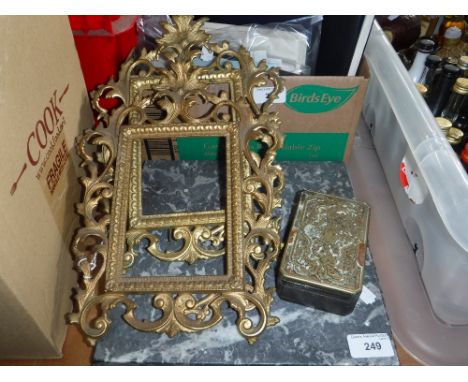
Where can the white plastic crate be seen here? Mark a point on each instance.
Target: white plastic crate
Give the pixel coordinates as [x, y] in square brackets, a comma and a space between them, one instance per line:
[434, 204]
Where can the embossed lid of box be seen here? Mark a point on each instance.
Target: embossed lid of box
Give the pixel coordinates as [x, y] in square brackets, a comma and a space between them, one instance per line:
[323, 259]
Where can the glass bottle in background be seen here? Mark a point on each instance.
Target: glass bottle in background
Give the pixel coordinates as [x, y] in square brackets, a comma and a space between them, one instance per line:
[463, 65]
[461, 122]
[465, 37]
[442, 87]
[422, 89]
[457, 100]
[428, 25]
[455, 138]
[430, 70]
[435, 34]
[454, 22]
[451, 43]
[401, 31]
[425, 47]
[444, 124]
[450, 60]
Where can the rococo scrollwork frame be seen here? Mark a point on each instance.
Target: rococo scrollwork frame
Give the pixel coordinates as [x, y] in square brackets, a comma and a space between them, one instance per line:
[112, 220]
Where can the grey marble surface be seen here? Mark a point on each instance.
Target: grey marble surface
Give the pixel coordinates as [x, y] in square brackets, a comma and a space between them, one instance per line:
[304, 336]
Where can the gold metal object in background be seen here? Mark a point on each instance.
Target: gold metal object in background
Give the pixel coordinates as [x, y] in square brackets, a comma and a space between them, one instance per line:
[112, 220]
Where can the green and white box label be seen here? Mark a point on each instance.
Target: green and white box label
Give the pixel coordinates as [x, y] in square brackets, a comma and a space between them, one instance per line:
[314, 99]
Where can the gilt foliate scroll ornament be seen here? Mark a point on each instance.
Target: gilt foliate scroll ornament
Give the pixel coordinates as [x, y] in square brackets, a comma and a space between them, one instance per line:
[192, 101]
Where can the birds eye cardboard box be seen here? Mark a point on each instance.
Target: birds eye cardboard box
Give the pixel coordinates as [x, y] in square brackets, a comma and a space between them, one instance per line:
[319, 117]
[43, 107]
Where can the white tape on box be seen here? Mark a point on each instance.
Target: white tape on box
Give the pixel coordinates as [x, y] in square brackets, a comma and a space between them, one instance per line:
[260, 95]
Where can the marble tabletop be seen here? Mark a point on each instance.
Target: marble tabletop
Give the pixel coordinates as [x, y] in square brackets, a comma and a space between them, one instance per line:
[304, 336]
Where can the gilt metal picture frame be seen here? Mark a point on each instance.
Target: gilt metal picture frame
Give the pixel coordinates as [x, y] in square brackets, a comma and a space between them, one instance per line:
[128, 229]
[112, 219]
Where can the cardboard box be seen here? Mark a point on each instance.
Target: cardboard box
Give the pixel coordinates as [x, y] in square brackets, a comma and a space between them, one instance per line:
[319, 117]
[44, 105]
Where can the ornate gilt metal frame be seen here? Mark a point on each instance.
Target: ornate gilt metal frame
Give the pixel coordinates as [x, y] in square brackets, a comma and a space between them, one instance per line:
[112, 219]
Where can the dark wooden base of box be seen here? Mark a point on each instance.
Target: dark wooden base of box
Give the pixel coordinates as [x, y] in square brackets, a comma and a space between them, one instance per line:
[334, 302]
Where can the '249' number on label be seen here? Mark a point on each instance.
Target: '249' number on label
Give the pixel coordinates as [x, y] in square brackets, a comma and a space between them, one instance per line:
[372, 346]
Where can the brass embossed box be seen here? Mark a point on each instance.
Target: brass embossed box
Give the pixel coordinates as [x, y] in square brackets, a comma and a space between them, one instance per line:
[323, 258]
